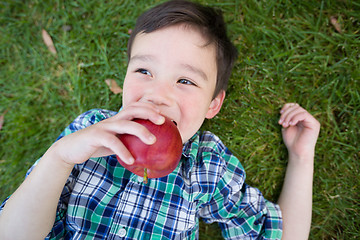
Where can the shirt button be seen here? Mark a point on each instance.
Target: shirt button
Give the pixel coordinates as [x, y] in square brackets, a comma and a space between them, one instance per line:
[140, 179]
[122, 232]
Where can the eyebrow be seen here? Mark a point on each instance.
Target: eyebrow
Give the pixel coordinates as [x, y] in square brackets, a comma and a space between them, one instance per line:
[195, 70]
[151, 58]
[144, 58]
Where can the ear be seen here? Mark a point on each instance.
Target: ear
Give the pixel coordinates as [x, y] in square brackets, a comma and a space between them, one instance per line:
[215, 105]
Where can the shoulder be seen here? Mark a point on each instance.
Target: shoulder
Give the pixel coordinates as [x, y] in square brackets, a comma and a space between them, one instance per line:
[211, 145]
[87, 119]
[209, 156]
[93, 116]
[209, 142]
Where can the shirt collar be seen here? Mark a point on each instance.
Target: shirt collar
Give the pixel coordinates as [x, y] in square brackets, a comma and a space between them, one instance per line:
[190, 152]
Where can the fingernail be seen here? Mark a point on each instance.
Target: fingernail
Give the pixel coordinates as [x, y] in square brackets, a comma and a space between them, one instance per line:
[130, 160]
[151, 139]
[160, 120]
[280, 121]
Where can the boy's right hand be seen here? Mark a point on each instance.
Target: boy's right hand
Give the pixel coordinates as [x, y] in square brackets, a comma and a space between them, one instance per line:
[32, 207]
[100, 139]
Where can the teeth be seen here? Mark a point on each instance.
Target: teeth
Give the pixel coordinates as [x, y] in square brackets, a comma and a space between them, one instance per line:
[174, 122]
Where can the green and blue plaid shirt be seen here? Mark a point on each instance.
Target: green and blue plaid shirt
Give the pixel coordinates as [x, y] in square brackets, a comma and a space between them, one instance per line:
[103, 200]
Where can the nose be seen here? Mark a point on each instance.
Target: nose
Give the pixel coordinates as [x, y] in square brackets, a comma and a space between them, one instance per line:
[160, 94]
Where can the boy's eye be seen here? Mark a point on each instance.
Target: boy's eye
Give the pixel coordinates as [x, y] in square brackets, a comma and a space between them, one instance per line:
[185, 81]
[143, 71]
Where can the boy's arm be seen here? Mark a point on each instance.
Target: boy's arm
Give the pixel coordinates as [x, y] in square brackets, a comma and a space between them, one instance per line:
[300, 133]
[30, 212]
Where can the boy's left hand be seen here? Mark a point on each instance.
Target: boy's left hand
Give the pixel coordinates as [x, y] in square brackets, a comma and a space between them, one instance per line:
[300, 130]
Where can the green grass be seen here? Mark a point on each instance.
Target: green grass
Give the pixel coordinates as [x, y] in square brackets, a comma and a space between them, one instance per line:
[289, 51]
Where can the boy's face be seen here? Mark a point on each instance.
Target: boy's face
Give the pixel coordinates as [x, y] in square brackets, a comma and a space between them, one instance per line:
[175, 70]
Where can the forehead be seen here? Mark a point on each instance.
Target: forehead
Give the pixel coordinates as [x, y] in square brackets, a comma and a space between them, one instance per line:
[198, 37]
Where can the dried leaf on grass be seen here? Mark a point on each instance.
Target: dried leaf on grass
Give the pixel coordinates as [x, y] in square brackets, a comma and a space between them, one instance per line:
[114, 87]
[336, 24]
[48, 41]
[2, 119]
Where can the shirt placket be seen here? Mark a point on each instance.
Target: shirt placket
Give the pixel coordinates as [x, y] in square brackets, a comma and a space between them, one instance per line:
[119, 228]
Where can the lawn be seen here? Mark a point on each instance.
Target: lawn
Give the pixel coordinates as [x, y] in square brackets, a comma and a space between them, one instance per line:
[290, 51]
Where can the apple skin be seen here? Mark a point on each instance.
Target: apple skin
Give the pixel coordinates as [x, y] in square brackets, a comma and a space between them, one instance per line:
[156, 160]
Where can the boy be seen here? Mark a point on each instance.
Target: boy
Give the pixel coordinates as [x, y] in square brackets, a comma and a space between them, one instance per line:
[180, 60]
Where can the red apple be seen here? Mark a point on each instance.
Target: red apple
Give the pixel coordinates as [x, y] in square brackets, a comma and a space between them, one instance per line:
[156, 160]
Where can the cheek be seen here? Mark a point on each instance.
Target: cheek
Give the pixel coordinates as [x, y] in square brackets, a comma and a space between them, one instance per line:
[195, 108]
[131, 92]
[193, 114]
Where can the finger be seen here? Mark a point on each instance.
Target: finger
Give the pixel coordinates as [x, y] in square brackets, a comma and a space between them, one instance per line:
[296, 117]
[131, 128]
[143, 111]
[286, 118]
[287, 106]
[305, 119]
[117, 147]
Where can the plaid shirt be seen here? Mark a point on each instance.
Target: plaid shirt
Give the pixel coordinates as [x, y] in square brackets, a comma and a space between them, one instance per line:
[103, 200]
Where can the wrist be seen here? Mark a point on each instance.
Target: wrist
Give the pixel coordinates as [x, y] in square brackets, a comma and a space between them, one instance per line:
[55, 159]
[306, 159]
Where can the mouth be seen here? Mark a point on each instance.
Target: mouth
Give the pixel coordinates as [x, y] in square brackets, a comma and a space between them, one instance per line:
[174, 122]
[170, 118]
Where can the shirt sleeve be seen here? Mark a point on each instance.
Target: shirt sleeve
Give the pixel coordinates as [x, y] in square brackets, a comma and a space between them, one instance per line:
[84, 120]
[241, 210]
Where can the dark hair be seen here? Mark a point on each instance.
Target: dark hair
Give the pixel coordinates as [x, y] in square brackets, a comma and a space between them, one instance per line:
[208, 20]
